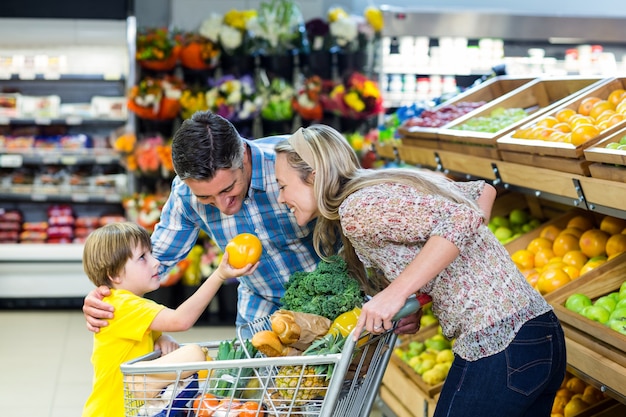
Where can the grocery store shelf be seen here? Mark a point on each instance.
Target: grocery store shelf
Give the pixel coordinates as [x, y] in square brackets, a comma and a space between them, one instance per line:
[594, 194]
[16, 158]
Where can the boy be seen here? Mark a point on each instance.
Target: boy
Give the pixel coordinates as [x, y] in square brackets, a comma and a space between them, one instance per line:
[119, 256]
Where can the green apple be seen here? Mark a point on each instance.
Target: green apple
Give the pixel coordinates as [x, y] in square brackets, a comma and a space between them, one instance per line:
[503, 233]
[618, 314]
[492, 227]
[622, 141]
[612, 145]
[607, 302]
[618, 326]
[500, 221]
[622, 291]
[576, 302]
[596, 313]
[621, 148]
[614, 295]
[621, 303]
[427, 320]
[518, 216]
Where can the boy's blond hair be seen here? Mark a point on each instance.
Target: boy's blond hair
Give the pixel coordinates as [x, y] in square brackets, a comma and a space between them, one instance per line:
[108, 248]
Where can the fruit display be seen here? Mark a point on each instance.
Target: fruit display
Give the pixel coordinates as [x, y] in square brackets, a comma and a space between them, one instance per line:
[561, 254]
[498, 119]
[579, 123]
[442, 115]
[508, 228]
[430, 358]
[574, 396]
[609, 309]
[619, 145]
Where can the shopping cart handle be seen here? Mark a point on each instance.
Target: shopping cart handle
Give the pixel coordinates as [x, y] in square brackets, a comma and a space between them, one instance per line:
[411, 306]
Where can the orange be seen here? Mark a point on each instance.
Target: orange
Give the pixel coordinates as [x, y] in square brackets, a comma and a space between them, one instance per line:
[564, 115]
[621, 107]
[591, 264]
[575, 258]
[244, 249]
[558, 136]
[555, 262]
[615, 245]
[579, 119]
[574, 407]
[551, 279]
[616, 96]
[543, 256]
[532, 278]
[612, 225]
[600, 107]
[562, 127]
[564, 243]
[559, 404]
[524, 259]
[572, 271]
[574, 231]
[584, 132]
[605, 115]
[576, 385]
[586, 105]
[550, 232]
[581, 222]
[548, 121]
[522, 133]
[593, 242]
[539, 243]
[616, 119]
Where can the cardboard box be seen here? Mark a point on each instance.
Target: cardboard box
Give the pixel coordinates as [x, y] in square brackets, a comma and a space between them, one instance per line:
[537, 98]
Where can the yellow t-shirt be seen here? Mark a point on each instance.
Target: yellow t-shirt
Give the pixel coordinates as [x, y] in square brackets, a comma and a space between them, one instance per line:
[127, 337]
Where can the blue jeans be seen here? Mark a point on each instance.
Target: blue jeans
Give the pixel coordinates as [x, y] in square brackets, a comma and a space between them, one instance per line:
[520, 381]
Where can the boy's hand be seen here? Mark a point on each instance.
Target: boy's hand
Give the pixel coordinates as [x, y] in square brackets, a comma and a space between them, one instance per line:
[97, 312]
[226, 271]
[166, 344]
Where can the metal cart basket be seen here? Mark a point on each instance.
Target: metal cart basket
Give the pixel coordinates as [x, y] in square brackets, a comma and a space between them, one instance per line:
[301, 386]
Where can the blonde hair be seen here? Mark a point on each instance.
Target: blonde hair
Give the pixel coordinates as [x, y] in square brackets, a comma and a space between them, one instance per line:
[338, 174]
[109, 247]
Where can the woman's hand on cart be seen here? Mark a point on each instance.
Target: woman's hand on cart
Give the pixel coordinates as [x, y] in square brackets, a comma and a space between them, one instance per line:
[405, 320]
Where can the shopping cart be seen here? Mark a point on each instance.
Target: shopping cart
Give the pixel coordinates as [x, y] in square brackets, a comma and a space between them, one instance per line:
[261, 386]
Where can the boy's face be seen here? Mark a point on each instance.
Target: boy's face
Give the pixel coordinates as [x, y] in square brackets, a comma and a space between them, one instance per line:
[139, 275]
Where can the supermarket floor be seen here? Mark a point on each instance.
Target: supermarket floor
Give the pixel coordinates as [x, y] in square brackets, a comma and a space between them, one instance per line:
[44, 358]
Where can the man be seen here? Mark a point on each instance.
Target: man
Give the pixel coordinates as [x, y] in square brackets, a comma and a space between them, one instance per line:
[226, 185]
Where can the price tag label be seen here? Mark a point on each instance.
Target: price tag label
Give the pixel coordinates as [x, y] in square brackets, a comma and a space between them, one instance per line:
[104, 159]
[44, 121]
[74, 120]
[80, 198]
[112, 198]
[5, 121]
[50, 160]
[69, 160]
[39, 197]
[11, 161]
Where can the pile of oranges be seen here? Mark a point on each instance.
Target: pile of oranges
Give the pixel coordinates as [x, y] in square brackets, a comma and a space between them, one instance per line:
[562, 254]
[574, 396]
[578, 125]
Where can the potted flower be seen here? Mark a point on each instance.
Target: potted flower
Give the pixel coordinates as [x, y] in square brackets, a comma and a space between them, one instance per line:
[354, 36]
[277, 34]
[191, 101]
[231, 30]
[199, 56]
[147, 156]
[156, 102]
[355, 100]
[319, 60]
[235, 99]
[277, 110]
[156, 50]
[307, 102]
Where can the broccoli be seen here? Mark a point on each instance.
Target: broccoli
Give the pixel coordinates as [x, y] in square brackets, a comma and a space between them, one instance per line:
[327, 291]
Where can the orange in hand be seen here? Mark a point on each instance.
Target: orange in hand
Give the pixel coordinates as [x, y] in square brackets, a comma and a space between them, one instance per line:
[244, 249]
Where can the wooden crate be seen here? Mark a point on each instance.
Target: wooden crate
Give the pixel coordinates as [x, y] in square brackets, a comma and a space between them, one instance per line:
[598, 282]
[427, 390]
[507, 143]
[608, 164]
[385, 150]
[487, 91]
[403, 397]
[538, 97]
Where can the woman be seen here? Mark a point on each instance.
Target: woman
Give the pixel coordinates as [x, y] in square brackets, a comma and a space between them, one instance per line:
[425, 233]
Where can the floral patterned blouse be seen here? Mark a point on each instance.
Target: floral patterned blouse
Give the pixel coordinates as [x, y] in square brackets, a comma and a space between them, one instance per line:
[481, 298]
